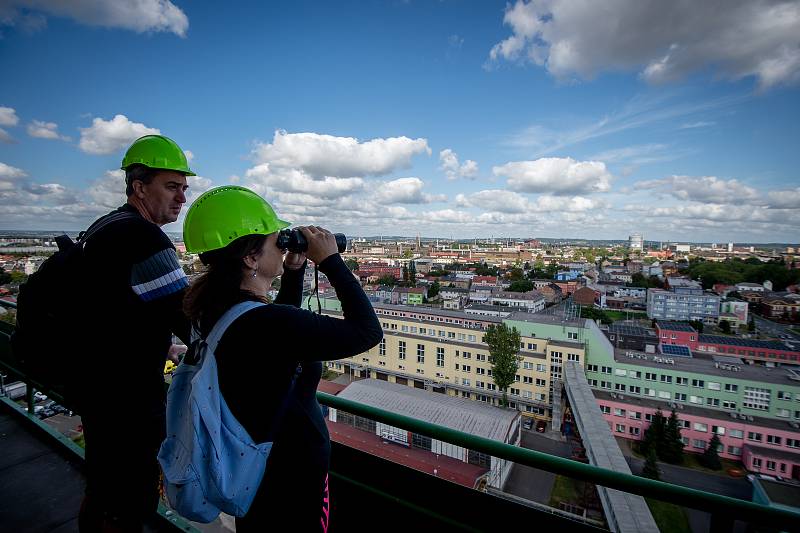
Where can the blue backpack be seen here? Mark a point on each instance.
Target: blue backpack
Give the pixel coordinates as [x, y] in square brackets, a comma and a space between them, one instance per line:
[210, 462]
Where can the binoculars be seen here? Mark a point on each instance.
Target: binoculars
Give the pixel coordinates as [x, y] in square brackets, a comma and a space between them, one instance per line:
[294, 241]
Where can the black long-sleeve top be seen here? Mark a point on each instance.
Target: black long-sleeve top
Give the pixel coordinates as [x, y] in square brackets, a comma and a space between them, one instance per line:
[258, 355]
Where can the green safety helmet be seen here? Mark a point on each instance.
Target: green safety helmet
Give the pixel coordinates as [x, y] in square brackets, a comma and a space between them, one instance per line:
[223, 214]
[157, 151]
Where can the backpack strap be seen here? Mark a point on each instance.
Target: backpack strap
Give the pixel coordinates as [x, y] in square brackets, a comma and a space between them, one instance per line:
[216, 334]
[102, 222]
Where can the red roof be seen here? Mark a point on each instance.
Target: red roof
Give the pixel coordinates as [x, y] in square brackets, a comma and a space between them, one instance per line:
[329, 387]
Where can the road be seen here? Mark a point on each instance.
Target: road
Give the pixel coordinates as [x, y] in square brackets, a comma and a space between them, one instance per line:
[774, 329]
[531, 483]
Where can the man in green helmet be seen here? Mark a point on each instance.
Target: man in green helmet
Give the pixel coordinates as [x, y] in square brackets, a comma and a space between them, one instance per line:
[132, 291]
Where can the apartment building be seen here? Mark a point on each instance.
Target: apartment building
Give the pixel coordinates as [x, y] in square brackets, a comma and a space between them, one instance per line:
[683, 304]
[443, 351]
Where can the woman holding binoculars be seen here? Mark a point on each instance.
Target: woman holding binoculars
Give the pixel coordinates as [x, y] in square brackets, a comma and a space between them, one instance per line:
[270, 359]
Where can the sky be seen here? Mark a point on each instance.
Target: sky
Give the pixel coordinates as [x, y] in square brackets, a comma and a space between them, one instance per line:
[549, 118]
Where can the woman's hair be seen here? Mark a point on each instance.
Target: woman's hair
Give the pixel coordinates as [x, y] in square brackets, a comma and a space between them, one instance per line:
[219, 288]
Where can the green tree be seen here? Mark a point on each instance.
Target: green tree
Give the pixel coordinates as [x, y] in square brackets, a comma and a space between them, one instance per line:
[388, 280]
[710, 457]
[650, 469]
[515, 274]
[503, 345]
[5, 277]
[697, 324]
[653, 439]
[408, 254]
[522, 285]
[352, 264]
[433, 290]
[725, 326]
[673, 446]
[412, 274]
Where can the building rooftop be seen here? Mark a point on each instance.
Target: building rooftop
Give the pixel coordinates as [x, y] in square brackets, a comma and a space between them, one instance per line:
[736, 341]
[436, 312]
[775, 454]
[627, 329]
[675, 326]
[701, 364]
[787, 494]
[468, 416]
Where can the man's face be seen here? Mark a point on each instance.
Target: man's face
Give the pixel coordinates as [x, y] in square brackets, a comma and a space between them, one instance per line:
[164, 196]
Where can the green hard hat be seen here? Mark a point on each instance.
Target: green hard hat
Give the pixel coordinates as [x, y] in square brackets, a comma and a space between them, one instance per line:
[157, 151]
[223, 214]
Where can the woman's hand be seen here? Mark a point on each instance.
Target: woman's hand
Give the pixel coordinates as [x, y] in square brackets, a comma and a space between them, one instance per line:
[321, 243]
[293, 261]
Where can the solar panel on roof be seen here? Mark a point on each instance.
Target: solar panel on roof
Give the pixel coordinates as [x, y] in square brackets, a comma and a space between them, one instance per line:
[675, 326]
[734, 341]
[676, 350]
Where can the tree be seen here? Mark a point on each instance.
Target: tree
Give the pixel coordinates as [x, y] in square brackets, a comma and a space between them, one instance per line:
[522, 285]
[650, 469]
[412, 274]
[751, 325]
[503, 345]
[515, 274]
[433, 290]
[725, 326]
[697, 324]
[673, 445]
[388, 280]
[710, 458]
[352, 264]
[5, 277]
[654, 435]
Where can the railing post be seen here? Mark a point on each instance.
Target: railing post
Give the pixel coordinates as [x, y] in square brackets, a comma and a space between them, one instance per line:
[29, 397]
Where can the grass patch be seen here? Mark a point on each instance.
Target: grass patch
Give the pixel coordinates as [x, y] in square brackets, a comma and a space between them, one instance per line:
[669, 517]
[624, 315]
[567, 490]
[692, 460]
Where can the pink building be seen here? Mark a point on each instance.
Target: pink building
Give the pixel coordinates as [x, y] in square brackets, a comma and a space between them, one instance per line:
[676, 333]
[763, 445]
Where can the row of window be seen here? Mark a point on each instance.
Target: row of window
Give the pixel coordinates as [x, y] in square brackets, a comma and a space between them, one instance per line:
[432, 332]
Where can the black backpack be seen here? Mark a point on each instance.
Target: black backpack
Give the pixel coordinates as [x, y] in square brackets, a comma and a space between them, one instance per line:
[50, 315]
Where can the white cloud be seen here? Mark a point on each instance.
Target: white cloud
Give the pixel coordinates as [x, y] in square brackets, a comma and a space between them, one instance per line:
[325, 155]
[405, 191]
[7, 172]
[561, 176]
[108, 136]
[189, 155]
[45, 130]
[495, 200]
[263, 179]
[8, 116]
[109, 190]
[698, 124]
[706, 189]
[665, 41]
[789, 199]
[451, 167]
[140, 15]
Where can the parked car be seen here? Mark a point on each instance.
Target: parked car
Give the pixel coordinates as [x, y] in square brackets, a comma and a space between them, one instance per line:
[527, 423]
[39, 396]
[541, 426]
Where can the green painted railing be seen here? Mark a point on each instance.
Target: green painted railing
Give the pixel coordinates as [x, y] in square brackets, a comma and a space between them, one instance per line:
[722, 508]
[719, 506]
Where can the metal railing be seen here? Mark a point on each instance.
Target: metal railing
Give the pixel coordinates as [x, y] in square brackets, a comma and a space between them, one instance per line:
[723, 509]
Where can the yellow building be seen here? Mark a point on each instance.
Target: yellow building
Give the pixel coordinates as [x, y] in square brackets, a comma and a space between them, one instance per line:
[443, 351]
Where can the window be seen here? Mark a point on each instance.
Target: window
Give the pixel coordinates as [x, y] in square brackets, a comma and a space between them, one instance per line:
[541, 382]
[467, 355]
[699, 383]
[635, 390]
[479, 384]
[664, 395]
[572, 335]
[756, 398]
[413, 329]
[650, 376]
[605, 385]
[466, 368]
[527, 379]
[441, 333]
[465, 382]
[696, 399]
[699, 444]
[713, 385]
[729, 405]
[719, 430]
[451, 335]
[480, 371]
[540, 368]
[480, 357]
[736, 433]
[756, 462]
[712, 402]
[635, 415]
[573, 357]
[734, 450]
[440, 357]
[680, 397]
[633, 430]
[420, 371]
[666, 379]
[619, 387]
[620, 428]
[404, 328]
[619, 412]
[751, 435]
[697, 426]
[783, 395]
[382, 347]
[471, 338]
[423, 331]
[591, 368]
[770, 465]
[793, 443]
[684, 424]
[650, 392]
[593, 383]
[681, 381]
[782, 413]
[774, 439]
[605, 409]
[420, 353]
[731, 387]
[634, 374]
[401, 350]
[514, 391]
[605, 369]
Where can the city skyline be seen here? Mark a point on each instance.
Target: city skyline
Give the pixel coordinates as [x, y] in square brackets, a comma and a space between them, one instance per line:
[455, 119]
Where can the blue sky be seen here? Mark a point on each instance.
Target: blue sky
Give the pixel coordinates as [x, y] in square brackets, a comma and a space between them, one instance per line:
[452, 118]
